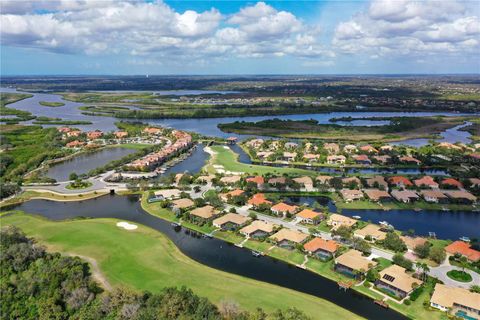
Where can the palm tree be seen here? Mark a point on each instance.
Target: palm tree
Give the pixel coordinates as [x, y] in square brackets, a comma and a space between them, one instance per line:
[425, 269]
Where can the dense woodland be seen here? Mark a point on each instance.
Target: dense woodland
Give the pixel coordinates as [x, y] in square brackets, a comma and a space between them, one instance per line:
[36, 284]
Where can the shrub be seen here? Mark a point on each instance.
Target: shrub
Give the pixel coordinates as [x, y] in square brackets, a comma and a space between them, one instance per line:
[407, 302]
[416, 293]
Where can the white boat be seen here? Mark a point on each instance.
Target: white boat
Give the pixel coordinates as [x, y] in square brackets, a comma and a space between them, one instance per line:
[466, 239]
[385, 224]
[357, 217]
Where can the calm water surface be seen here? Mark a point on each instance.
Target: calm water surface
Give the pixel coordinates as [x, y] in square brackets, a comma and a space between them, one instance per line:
[214, 253]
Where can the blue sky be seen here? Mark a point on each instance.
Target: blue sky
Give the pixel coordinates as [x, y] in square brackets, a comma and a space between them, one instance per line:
[239, 37]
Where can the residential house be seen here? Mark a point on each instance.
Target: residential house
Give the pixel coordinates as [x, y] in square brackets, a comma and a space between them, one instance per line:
[321, 248]
[255, 143]
[377, 182]
[409, 160]
[75, 144]
[230, 195]
[282, 209]
[230, 221]
[427, 182]
[456, 301]
[64, 129]
[180, 204]
[434, 196]
[464, 249]
[405, 196]
[460, 196]
[324, 179]
[353, 264]
[204, 213]
[311, 157]
[263, 155]
[377, 195]
[386, 148]
[450, 182]
[372, 232]
[258, 180]
[351, 181]
[178, 177]
[350, 148]
[74, 133]
[336, 220]
[448, 145]
[278, 181]
[167, 194]
[332, 148]
[92, 135]
[289, 156]
[230, 179]
[287, 238]
[257, 200]
[400, 182]
[384, 159]
[120, 134]
[232, 140]
[412, 242]
[350, 195]
[361, 159]
[309, 216]
[206, 178]
[368, 148]
[291, 145]
[152, 131]
[396, 281]
[305, 181]
[258, 229]
[474, 182]
[336, 159]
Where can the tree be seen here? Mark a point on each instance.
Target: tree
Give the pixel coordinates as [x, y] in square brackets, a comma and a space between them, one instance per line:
[463, 263]
[400, 260]
[73, 176]
[372, 275]
[437, 254]
[393, 242]
[422, 250]
[196, 189]
[343, 231]
[361, 245]
[475, 288]
[252, 215]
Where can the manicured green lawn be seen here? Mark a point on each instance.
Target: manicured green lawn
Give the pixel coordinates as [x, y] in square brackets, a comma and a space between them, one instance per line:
[291, 256]
[144, 259]
[228, 160]
[459, 275]
[229, 236]
[260, 246]
[136, 146]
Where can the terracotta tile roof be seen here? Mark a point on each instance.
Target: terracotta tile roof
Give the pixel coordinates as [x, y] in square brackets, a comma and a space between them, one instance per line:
[283, 207]
[341, 220]
[368, 148]
[426, 181]
[258, 225]
[412, 242]
[324, 179]
[433, 194]
[230, 179]
[290, 235]
[308, 214]
[348, 194]
[446, 296]
[205, 212]
[321, 244]
[460, 194]
[231, 217]
[303, 180]
[464, 249]
[404, 195]
[409, 159]
[183, 203]
[257, 179]
[397, 277]
[399, 180]
[258, 199]
[452, 182]
[353, 259]
[376, 194]
[278, 180]
[371, 230]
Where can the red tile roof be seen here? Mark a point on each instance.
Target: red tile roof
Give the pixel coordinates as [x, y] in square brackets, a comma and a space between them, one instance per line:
[258, 180]
[426, 181]
[319, 243]
[283, 207]
[464, 249]
[452, 182]
[308, 214]
[399, 180]
[258, 199]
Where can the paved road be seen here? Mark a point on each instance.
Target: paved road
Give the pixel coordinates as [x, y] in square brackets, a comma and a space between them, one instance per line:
[440, 272]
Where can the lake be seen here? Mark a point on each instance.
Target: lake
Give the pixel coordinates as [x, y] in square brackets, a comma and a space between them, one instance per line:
[213, 252]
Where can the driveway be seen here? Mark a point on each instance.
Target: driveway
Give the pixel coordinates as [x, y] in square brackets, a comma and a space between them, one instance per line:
[440, 272]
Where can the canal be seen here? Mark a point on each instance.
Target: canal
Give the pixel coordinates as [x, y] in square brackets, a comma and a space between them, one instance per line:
[213, 252]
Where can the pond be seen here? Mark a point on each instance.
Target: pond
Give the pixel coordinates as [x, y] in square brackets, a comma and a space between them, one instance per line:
[213, 252]
[193, 164]
[86, 162]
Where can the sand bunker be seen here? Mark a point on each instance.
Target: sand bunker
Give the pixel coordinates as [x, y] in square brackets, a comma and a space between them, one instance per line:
[127, 226]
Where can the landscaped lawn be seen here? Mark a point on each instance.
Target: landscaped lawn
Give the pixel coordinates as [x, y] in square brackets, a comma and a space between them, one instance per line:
[228, 160]
[229, 236]
[260, 246]
[459, 275]
[27, 195]
[144, 259]
[291, 256]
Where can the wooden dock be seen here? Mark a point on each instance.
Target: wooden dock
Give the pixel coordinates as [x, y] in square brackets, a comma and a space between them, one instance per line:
[381, 303]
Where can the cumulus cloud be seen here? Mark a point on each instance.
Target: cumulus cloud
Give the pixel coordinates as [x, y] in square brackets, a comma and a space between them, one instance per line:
[404, 27]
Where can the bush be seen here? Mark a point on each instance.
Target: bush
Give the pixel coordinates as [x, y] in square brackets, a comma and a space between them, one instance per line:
[400, 260]
[416, 293]
[407, 302]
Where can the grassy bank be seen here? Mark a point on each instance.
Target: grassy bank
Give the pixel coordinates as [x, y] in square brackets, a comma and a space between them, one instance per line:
[51, 104]
[146, 260]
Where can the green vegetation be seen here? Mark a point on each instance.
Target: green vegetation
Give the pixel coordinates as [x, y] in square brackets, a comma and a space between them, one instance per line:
[400, 128]
[7, 98]
[79, 185]
[59, 121]
[121, 255]
[51, 104]
[460, 276]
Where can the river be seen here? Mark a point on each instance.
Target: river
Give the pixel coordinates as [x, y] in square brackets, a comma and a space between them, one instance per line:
[213, 252]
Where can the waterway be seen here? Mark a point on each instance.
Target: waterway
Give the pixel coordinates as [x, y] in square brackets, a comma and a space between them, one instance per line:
[85, 162]
[207, 126]
[213, 252]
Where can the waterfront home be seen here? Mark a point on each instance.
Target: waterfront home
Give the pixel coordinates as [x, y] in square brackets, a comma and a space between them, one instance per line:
[321, 248]
[230, 221]
[377, 195]
[458, 302]
[332, 148]
[232, 140]
[464, 249]
[75, 144]
[350, 148]
[448, 145]
[309, 216]
[255, 143]
[361, 159]
[263, 155]
[258, 180]
[474, 182]
[206, 178]
[351, 182]
[258, 229]
[306, 182]
[230, 195]
[74, 133]
[287, 238]
[178, 177]
[400, 182]
[310, 157]
[92, 135]
[412, 242]
[384, 159]
[289, 156]
[180, 204]
[336, 159]
[336, 220]
[396, 281]
[167, 194]
[120, 134]
[451, 183]
[324, 179]
[460, 196]
[368, 148]
[434, 196]
[291, 145]
[426, 182]
[386, 148]
[353, 264]
[257, 200]
[350, 195]
[230, 179]
[204, 213]
[377, 182]
[409, 160]
[152, 131]
[64, 129]
[371, 232]
[282, 209]
[278, 181]
[405, 196]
